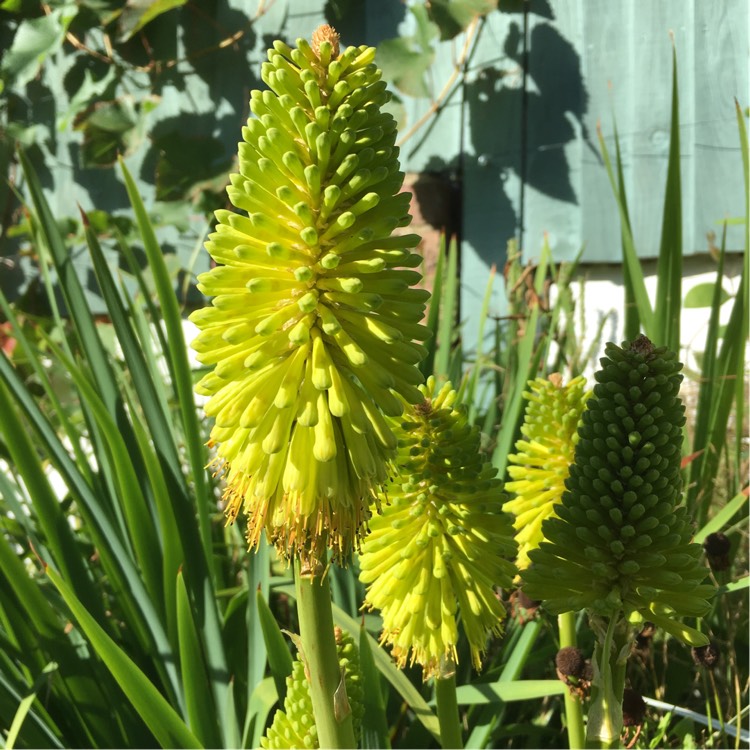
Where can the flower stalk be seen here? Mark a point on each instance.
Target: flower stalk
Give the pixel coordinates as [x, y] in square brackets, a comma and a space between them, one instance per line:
[333, 715]
[447, 706]
[566, 623]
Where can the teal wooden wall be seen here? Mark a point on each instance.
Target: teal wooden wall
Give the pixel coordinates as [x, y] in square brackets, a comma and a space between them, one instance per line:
[518, 133]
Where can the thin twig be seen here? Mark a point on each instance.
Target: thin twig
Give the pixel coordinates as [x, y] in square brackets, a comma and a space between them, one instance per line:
[447, 88]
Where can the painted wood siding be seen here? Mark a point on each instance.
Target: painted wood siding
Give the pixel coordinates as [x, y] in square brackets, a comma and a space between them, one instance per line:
[522, 131]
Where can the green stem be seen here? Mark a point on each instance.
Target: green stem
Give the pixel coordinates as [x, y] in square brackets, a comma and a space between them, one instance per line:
[573, 710]
[331, 710]
[605, 714]
[447, 711]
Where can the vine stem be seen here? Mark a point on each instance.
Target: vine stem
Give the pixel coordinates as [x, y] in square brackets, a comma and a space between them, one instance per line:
[566, 623]
[447, 710]
[331, 710]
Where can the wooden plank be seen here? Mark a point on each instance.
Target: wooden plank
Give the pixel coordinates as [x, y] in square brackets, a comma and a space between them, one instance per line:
[624, 57]
[491, 164]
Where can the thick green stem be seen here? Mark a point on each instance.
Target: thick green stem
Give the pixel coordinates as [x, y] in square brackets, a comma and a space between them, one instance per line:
[573, 710]
[610, 661]
[331, 710]
[447, 711]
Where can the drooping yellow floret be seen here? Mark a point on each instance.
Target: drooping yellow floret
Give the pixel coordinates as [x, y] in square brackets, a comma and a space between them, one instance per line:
[540, 467]
[310, 334]
[441, 545]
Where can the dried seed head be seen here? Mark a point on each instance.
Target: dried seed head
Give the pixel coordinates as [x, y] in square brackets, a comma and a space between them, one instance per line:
[569, 662]
[523, 608]
[716, 546]
[705, 656]
[633, 708]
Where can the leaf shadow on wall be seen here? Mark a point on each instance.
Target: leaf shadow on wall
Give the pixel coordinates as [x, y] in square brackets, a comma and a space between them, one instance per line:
[521, 131]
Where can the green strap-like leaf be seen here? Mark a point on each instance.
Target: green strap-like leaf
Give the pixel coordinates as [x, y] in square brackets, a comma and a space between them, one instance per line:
[201, 711]
[168, 728]
[508, 692]
[633, 272]
[669, 275]
[279, 659]
[374, 727]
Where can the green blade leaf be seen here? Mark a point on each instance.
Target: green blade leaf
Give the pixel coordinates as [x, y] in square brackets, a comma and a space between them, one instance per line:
[449, 306]
[513, 412]
[669, 274]
[78, 309]
[702, 295]
[137, 514]
[722, 518]
[262, 700]
[58, 534]
[633, 272]
[427, 365]
[508, 692]
[374, 723]
[200, 572]
[177, 358]
[279, 658]
[159, 716]
[25, 706]
[199, 705]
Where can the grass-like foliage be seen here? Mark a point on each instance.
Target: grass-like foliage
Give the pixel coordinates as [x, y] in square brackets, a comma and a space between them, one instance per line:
[132, 616]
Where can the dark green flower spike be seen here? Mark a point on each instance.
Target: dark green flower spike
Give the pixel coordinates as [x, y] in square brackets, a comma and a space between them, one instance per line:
[622, 542]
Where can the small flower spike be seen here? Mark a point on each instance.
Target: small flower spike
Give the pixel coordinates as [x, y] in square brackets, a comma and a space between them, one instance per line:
[540, 468]
[311, 333]
[294, 726]
[441, 545]
[622, 542]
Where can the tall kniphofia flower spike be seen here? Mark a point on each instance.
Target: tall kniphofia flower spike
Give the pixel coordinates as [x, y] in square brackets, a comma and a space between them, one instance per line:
[622, 542]
[294, 725]
[312, 326]
[541, 465]
[440, 545]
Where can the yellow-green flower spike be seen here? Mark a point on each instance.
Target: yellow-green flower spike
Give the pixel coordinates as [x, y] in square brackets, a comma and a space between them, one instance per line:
[622, 542]
[311, 331]
[440, 545]
[540, 468]
[294, 725]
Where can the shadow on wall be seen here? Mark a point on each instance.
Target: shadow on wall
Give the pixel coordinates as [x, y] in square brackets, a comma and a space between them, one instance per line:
[521, 111]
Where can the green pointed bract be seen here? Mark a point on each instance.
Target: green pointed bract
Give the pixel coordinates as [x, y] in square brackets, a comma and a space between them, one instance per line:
[294, 725]
[441, 544]
[622, 541]
[311, 333]
[541, 465]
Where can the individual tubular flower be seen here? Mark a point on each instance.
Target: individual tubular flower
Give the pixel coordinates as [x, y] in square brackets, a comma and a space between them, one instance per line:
[441, 544]
[310, 332]
[540, 468]
[622, 542]
[294, 726]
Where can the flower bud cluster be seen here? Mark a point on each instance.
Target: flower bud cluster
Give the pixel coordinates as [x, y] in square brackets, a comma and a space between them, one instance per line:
[294, 726]
[622, 542]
